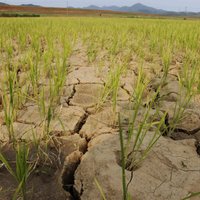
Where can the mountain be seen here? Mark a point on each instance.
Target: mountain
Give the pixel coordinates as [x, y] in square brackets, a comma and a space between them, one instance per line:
[3, 4]
[30, 5]
[135, 8]
[142, 8]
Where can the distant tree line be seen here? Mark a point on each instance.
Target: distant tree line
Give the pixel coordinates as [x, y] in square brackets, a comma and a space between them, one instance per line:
[18, 15]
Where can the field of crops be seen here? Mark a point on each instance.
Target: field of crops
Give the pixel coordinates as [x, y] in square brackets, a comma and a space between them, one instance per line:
[99, 108]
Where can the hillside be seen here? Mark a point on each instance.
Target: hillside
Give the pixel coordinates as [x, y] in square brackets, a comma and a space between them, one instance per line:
[31, 5]
[3, 4]
[141, 8]
[56, 11]
[134, 8]
[132, 11]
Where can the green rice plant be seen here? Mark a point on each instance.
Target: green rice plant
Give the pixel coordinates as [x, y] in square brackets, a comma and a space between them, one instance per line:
[34, 74]
[139, 132]
[14, 96]
[9, 116]
[133, 152]
[9, 101]
[91, 53]
[22, 169]
[123, 161]
[47, 106]
[114, 47]
[194, 194]
[188, 76]
[137, 154]
[198, 82]
[111, 86]
[166, 59]
[100, 189]
[178, 112]
[46, 111]
[9, 49]
[141, 85]
[187, 86]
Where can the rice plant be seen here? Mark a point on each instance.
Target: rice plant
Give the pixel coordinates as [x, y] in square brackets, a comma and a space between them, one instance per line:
[187, 90]
[111, 87]
[22, 169]
[194, 194]
[9, 101]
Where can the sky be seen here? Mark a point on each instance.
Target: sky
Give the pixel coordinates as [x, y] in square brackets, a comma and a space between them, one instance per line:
[172, 5]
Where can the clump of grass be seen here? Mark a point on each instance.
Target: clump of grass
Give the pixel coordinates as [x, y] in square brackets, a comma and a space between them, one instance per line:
[91, 53]
[22, 169]
[188, 81]
[9, 101]
[133, 152]
[57, 77]
[34, 74]
[111, 87]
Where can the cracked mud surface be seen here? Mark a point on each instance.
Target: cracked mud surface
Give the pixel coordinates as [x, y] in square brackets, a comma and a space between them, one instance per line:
[88, 142]
[168, 173]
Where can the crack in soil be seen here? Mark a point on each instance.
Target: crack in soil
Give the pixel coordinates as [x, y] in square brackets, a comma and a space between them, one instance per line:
[71, 164]
[123, 88]
[81, 123]
[82, 190]
[79, 81]
[25, 122]
[191, 133]
[73, 161]
[72, 95]
[188, 132]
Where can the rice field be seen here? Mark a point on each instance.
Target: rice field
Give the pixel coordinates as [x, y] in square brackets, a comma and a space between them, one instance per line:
[99, 108]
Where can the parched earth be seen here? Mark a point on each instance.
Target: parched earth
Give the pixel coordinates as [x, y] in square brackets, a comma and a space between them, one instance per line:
[85, 146]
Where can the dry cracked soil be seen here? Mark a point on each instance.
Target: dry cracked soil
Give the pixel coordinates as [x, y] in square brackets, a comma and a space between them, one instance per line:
[86, 145]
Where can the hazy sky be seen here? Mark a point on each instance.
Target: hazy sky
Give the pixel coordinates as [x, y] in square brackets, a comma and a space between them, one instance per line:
[177, 5]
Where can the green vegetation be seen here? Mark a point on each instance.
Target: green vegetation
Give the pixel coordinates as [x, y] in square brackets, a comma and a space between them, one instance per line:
[22, 169]
[35, 63]
[6, 14]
